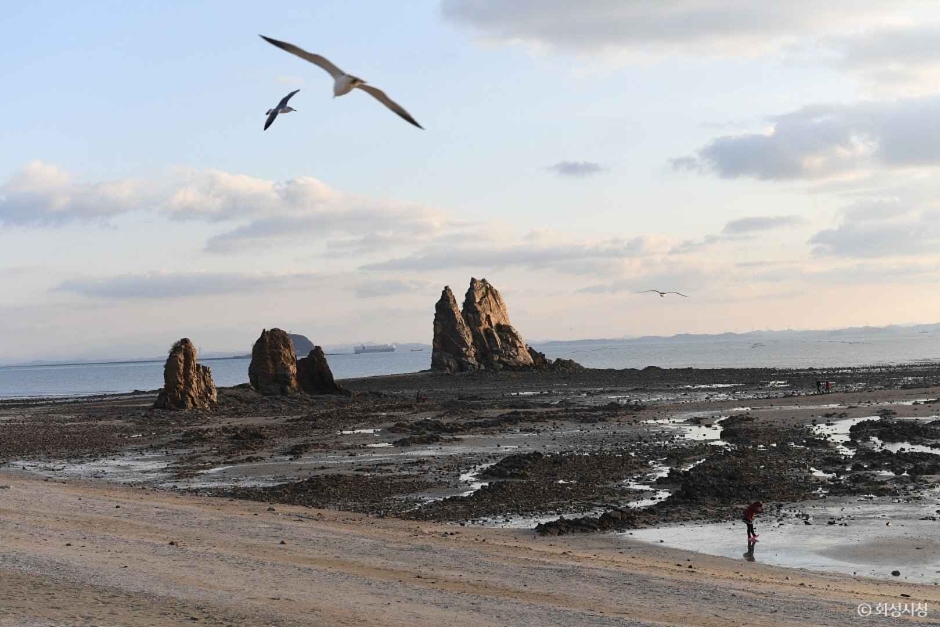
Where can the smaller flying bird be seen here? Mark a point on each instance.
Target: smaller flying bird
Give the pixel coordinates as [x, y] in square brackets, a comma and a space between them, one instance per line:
[661, 294]
[344, 83]
[280, 108]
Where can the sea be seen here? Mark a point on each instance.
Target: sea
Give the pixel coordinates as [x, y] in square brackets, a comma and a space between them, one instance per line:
[783, 349]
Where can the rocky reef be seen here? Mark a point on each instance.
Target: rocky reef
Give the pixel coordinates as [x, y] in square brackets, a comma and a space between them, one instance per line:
[273, 368]
[314, 375]
[480, 336]
[186, 384]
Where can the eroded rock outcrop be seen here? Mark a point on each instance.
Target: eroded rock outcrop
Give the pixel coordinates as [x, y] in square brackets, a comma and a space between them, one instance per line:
[273, 368]
[498, 345]
[314, 375]
[481, 336]
[452, 349]
[186, 384]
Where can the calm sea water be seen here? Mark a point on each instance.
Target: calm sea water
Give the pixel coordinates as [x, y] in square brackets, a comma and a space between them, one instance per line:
[834, 349]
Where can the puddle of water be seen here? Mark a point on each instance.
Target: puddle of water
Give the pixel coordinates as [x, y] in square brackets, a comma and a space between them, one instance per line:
[122, 469]
[710, 386]
[907, 447]
[821, 474]
[472, 479]
[869, 547]
[361, 431]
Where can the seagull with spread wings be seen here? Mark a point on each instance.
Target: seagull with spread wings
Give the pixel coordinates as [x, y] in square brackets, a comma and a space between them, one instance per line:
[662, 294]
[344, 83]
[280, 108]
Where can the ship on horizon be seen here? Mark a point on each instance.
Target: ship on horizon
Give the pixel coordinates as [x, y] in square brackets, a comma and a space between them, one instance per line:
[374, 348]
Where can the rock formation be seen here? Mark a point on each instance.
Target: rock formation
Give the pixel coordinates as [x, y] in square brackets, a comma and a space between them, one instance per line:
[186, 384]
[498, 345]
[314, 374]
[480, 336]
[273, 368]
[452, 349]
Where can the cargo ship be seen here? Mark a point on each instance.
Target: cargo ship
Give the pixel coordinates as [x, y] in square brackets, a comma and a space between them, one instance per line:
[376, 348]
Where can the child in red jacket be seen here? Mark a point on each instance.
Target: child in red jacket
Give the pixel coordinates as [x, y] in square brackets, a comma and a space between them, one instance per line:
[750, 511]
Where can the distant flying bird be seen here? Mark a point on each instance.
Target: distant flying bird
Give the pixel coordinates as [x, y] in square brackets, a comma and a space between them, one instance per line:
[280, 108]
[661, 294]
[343, 83]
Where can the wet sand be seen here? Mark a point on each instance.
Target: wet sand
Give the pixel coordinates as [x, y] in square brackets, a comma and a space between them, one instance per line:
[76, 553]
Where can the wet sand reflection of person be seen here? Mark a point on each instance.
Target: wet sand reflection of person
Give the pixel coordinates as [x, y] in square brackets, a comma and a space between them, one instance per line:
[749, 556]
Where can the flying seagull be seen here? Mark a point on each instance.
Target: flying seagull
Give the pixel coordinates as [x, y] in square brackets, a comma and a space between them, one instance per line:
[661, 294]
[343, 83]
[280, 108]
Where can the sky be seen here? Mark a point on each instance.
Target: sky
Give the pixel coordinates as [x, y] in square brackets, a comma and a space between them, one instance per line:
[777, 162]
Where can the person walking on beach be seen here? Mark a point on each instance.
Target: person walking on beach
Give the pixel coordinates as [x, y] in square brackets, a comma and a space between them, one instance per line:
[818, 386]
[750, 512]
[828, 387]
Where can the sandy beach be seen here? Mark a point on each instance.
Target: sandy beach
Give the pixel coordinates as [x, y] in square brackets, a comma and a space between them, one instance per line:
[75, 553]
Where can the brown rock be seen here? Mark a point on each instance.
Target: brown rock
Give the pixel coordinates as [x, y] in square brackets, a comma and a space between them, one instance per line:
[186, 384]
[481, 336]
[273, 368]
[453, 344]
[498, 345]
[314, 375]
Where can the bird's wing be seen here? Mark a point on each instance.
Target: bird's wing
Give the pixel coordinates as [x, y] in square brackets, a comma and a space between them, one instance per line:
[677, 293]
[379, 95]
[648, 291]
[316, 59]
[283, 102]
[271, 117]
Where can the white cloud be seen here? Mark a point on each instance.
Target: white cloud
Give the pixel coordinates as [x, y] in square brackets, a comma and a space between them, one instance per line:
[577, 258]
[829, 141]
[182, 284]
[43, 194]
[694, 27]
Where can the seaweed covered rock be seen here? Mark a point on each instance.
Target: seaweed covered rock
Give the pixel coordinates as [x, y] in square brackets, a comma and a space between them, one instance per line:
[314, 375]
[273, 368]
[186, 384]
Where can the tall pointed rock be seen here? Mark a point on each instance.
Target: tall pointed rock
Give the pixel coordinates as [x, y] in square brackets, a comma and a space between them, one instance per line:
[452, 349]
[497, 344]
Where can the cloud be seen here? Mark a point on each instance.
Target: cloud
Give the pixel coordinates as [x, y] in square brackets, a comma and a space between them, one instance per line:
[757, 224]
[572, 258]
[43, 194]
[880, 239]
[390, 287]
[829, 141]
[176, 284]
[262, 213]
[896, 60]
[576, 169]
[694, 27]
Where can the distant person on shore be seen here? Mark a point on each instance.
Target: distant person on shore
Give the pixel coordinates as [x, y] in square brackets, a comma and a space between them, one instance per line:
[828, 387]
[750, 512]
[818, 386]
